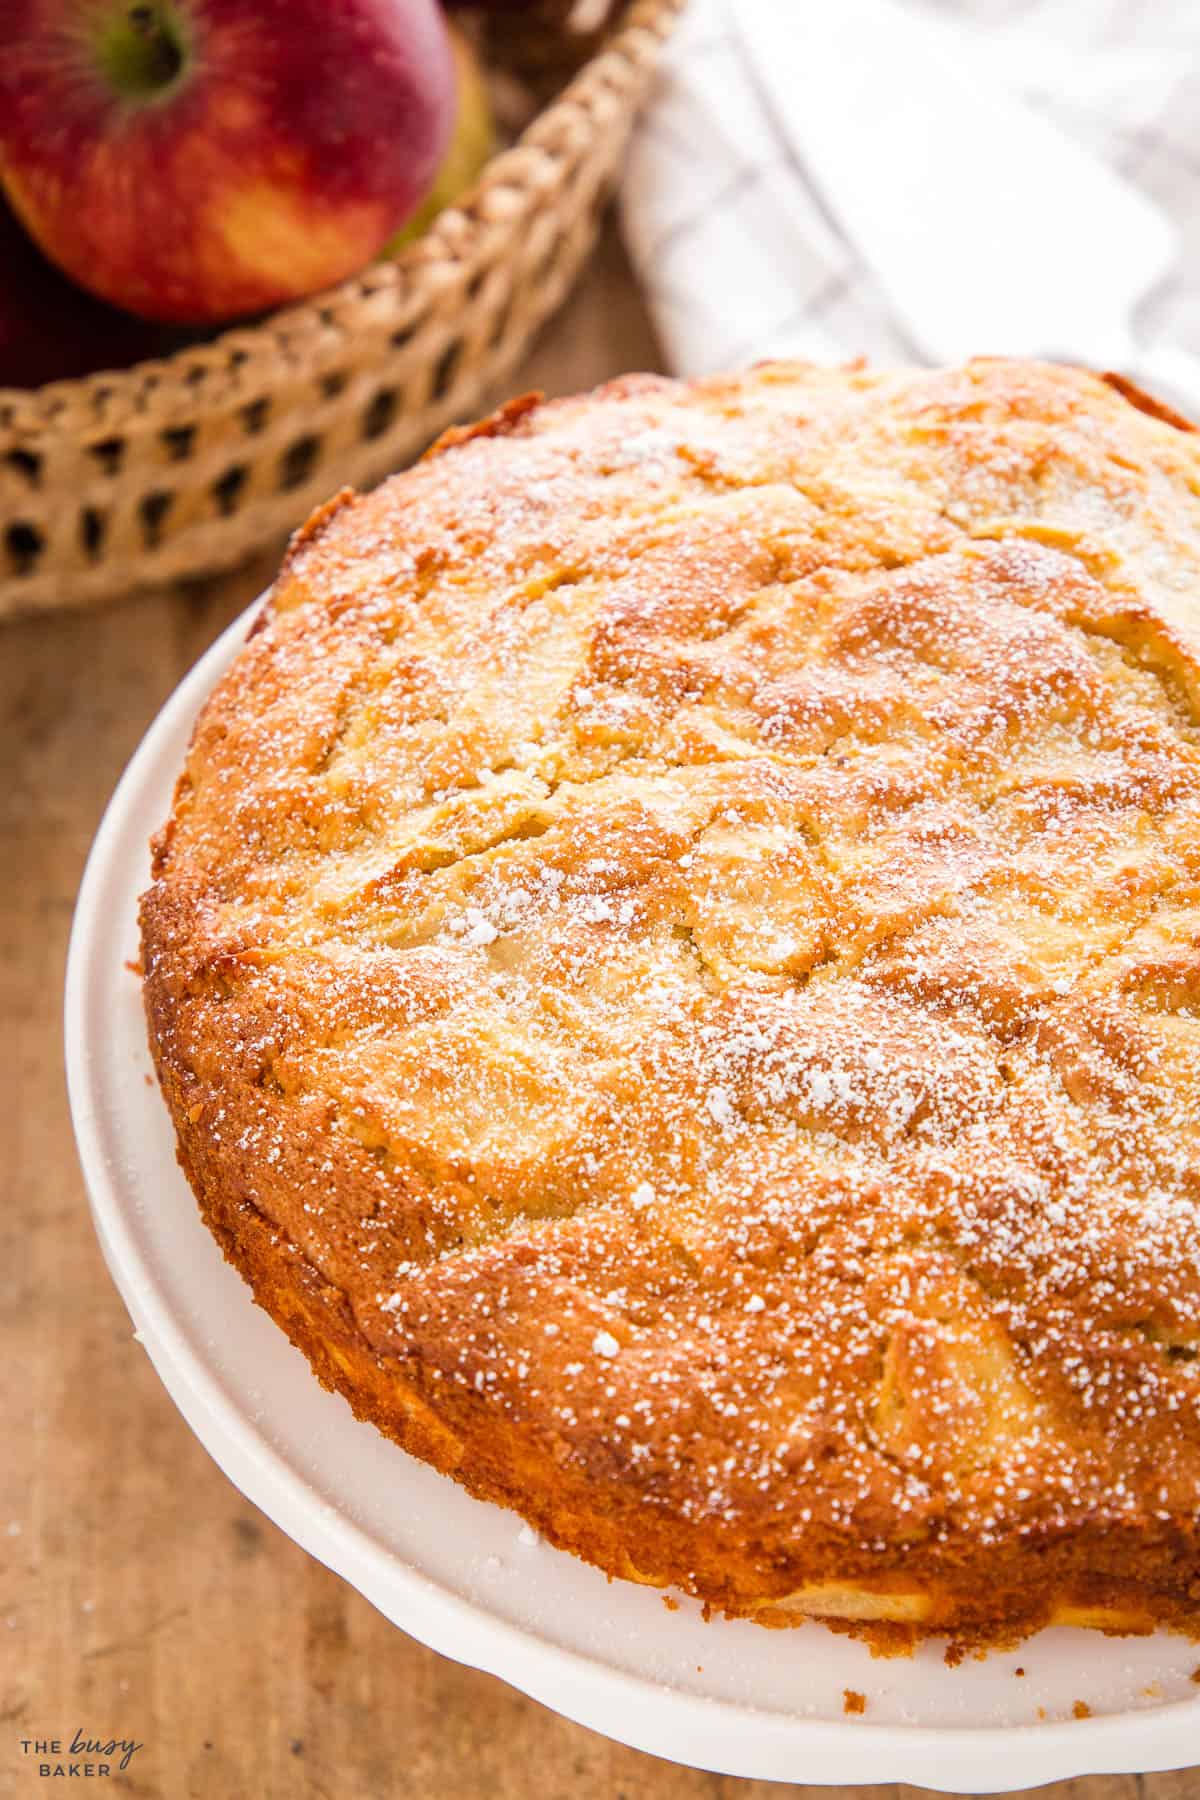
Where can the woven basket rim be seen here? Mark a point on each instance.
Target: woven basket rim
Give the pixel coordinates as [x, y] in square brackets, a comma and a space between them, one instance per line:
[117, 393]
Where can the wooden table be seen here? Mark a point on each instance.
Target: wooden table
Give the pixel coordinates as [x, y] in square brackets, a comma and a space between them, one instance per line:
[140, 1595]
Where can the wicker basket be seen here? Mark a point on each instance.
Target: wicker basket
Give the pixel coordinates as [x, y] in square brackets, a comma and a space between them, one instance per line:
[188, 465]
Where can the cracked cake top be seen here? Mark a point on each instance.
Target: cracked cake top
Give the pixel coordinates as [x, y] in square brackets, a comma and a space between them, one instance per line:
[684, 919]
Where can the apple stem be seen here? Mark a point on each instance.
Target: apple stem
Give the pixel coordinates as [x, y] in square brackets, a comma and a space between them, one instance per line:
[141, 50]
[163, 57]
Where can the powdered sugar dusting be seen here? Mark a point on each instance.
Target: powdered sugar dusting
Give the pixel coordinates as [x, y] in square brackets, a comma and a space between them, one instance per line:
[705, 951]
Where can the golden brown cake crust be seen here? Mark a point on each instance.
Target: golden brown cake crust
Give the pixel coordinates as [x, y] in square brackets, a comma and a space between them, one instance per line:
[675, 964]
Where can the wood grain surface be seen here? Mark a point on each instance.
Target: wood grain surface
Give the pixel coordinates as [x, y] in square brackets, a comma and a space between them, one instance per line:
[140, 1595]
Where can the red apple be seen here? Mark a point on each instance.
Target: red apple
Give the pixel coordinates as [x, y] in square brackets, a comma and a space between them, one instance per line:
[195, 160]
[51, 329]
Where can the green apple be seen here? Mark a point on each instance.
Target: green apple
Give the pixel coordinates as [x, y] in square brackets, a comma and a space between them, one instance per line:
[472, 143]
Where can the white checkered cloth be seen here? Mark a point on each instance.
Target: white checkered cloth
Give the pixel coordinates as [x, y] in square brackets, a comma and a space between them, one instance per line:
[737, 253]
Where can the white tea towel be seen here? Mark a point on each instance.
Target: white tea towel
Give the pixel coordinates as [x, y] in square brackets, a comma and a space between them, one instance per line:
[738, 252]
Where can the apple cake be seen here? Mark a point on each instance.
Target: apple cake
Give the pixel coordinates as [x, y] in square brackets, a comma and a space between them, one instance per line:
[675, 966]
